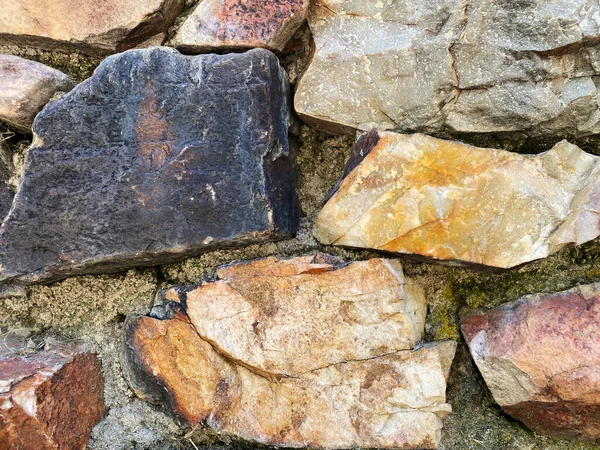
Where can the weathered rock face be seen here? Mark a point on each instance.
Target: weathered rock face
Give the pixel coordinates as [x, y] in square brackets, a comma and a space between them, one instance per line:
[49, 400]
[456, 203]
[25, 87]
[185, 154]
[314, 362]
[287, 317]
[6, 169]
[541, 359]
[232, 24]
[454, 66]
[92, 27]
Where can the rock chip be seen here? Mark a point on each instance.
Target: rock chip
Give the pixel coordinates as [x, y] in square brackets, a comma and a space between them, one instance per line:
[49, 399]
[460, 204]
[91, 26]
[540, 357]
[233, 24]
[454, 66]
[287, 317]
[185, 154]
[25, 88]
[321, 366]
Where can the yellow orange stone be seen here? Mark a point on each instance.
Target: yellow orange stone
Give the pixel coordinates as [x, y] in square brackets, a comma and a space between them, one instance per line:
[453, 202]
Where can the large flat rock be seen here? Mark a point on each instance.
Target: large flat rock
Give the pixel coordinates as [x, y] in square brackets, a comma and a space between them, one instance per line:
[49, 399]
[235, 24]
[540, 357]
[477, 66]
[25, 88]
[455, 203]
[158, 156]
[91, 26]
[321, 364]
[287, 317]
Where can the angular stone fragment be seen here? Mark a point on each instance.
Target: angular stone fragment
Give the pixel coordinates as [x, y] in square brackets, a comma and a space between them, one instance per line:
[455, 203]
[288, 317]
[89, 26]
[454, 66]
[232, 24]
[540, 357]
[25, 87]
[158, 156]
[321, 365]
[51, 399]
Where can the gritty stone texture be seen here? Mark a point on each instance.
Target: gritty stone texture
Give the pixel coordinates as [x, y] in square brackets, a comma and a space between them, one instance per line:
[539, 357]
[392, 401]
[231, 24]
[79, 303]
[6, 172]
[93, 27]
[456, 203]
[182, 171]
[50, 399]
[454, 66]
[476, 422]
[25, 88]
[289, 317]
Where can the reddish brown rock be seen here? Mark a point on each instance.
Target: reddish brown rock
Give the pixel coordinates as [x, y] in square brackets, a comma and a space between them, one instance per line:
[302, 352]
[91, 26]
[49, 400]
[25, 87]
[231, 24]
[540, 357]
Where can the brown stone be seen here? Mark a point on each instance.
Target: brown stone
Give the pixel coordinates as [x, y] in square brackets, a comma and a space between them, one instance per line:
[49, 400]
[302, 352]
[452, 202]
[25, 87]
[231, 24]
[540, 357]
[96, 27]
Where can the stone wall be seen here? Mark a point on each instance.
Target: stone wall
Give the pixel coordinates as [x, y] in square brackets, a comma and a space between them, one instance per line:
[103, 254]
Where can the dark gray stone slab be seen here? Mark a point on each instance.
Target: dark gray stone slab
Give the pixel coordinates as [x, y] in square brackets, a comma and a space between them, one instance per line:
[157, 157]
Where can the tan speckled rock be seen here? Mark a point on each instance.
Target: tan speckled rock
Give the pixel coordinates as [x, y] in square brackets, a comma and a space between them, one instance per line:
[455, 66]
[296, 353]
[25, 88]
[394, 401]
[49, 400]
[286, 317]
[540, 357]
[232, 24]
[456, 203]
[90, 26]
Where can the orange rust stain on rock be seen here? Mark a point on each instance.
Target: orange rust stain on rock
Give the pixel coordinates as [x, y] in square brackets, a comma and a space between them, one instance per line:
[153, 133]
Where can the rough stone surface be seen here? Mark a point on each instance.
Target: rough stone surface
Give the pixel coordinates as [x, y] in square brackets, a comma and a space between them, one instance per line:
[541, 360]
[185, 168]
[288, 317]
[97, 27]
[455, 203]
[25, 87]
[393, 401]
[455, 66]
[295, 353]
[49, 399]
[231, 24]
[6, 171]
